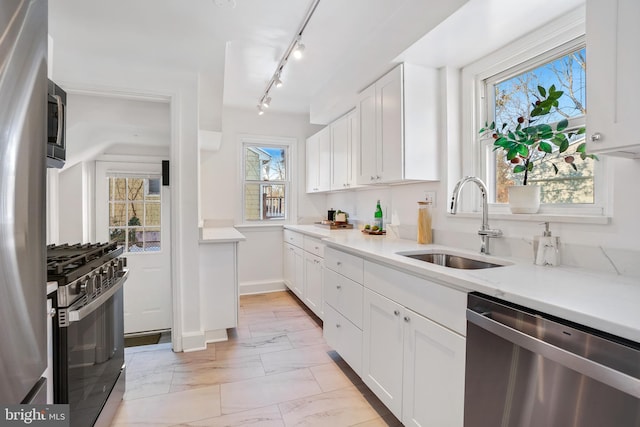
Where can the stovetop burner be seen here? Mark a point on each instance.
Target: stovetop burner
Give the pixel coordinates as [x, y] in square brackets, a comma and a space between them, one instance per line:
[66, 263]
[84, 271]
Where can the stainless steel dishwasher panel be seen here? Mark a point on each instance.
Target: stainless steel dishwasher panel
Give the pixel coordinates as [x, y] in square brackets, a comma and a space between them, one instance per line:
[527, 369]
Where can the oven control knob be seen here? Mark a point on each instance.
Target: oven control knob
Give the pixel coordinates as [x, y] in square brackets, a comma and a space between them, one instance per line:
[110, 271]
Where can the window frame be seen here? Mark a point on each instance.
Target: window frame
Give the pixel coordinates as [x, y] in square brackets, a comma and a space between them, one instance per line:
[289, 199]
[537, 47]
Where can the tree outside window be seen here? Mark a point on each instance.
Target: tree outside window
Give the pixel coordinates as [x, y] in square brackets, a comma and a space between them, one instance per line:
[512, 97]
[135, 213]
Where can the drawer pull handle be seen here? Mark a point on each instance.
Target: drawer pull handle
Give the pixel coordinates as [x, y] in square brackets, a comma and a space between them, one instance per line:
[396, 312]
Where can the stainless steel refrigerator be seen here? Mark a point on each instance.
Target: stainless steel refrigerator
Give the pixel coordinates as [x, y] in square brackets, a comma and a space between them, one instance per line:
[23, 103]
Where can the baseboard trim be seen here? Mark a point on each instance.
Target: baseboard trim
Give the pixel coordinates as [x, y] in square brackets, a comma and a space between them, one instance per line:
[248, 288]
[193, 341]
[217, 335]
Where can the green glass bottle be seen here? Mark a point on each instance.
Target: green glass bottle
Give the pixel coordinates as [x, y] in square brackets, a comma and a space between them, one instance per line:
[377, 217]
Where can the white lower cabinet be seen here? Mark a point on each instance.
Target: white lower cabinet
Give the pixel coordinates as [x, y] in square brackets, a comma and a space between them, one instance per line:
[313, 273]
[414, 365]
[344, 337]
[303, 267]
[294, 269]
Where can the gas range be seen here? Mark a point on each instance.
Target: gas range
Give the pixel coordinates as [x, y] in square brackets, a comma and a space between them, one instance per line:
[84, 271]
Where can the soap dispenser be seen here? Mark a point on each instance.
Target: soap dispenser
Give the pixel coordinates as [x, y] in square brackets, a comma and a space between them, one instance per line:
[546, 248]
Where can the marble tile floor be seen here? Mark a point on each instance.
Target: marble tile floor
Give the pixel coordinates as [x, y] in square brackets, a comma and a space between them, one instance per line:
[275, 370]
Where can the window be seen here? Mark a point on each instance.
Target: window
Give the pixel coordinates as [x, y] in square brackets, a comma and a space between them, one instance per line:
[134, 213]
[265, 182]
[510, 95]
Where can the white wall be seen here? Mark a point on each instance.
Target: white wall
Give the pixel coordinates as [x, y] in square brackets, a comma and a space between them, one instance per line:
[260, 256]
[71, 196]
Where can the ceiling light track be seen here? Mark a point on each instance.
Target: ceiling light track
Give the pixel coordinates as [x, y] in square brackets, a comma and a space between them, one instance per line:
[295, 49]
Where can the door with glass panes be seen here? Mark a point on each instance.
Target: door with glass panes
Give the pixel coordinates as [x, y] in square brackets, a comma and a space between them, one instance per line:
[132, 208]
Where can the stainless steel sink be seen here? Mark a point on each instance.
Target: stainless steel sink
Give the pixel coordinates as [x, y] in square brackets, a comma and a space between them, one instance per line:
[451, 260]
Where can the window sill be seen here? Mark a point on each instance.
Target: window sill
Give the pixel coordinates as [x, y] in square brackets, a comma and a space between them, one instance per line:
[540, 217]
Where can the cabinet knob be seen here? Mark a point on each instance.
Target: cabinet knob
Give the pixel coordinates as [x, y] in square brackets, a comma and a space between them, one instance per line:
[596, 137]
[407, 319]
[338, 287]
[396, 312]
[337, 325]
[338, 263]
[372, 178]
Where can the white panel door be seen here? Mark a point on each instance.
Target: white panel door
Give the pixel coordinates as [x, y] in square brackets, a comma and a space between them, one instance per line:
[382, 348]
[433, 385]
[313, 277]
[134, 208]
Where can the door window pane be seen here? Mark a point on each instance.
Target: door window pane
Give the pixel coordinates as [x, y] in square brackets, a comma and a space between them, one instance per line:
[135, 213]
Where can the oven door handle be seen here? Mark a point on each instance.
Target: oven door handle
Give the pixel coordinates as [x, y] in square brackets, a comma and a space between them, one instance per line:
[81, 313]
[58, 99]
[604, 374]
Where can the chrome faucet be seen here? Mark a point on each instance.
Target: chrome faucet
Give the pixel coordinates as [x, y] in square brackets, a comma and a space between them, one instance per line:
[485, 232]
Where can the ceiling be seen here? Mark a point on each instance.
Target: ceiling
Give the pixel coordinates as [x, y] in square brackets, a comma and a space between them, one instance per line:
[235, 50]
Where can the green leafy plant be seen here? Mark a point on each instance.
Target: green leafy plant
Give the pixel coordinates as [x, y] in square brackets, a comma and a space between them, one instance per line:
[530, 143]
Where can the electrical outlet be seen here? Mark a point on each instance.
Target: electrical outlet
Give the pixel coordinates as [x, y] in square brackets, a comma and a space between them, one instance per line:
[430, 197]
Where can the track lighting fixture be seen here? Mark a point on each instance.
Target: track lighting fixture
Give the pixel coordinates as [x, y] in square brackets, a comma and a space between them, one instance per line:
[295, 49]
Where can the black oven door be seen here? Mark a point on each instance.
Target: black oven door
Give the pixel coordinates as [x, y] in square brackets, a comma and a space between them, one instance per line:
[90, 358]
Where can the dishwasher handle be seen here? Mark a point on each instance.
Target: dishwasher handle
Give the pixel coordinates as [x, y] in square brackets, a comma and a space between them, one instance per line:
[606, 375]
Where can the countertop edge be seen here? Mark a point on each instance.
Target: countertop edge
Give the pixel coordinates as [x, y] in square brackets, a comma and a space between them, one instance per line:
[591, 299]
[220, 235]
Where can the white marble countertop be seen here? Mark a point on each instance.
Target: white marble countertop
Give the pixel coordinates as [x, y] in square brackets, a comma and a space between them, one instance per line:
[608, 302]
[220, 235]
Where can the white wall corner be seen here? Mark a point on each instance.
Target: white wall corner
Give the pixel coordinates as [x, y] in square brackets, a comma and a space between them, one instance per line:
[261, 287]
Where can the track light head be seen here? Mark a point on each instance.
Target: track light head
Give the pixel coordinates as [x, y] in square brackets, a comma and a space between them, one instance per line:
[260, 110]
[277, 81]
[266, 101]
[297, 51]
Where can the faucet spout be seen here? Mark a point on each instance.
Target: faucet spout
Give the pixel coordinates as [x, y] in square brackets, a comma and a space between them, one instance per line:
[485, 232]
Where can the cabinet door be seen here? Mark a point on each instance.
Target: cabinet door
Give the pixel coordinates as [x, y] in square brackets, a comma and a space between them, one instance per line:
[366, 160]
[294, 269]
[433, 378]
[613, 88]
[389, 130]
[340, 155]
[324, 159]
[344, 337]
[313, 166]
[353, 136]
[382, 348]
[313, 276]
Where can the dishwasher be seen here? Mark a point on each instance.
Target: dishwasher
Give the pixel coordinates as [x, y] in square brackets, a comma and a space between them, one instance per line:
[529, 369]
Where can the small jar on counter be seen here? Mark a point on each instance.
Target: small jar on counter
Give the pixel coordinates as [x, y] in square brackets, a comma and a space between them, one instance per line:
[425, 235]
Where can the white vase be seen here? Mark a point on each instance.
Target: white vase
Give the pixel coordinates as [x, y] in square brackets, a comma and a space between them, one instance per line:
[524, 199]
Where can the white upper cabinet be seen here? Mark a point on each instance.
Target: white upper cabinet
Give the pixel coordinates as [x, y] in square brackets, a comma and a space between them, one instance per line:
[398, 127]
[343, 149]
[318, 157]
[613, 88]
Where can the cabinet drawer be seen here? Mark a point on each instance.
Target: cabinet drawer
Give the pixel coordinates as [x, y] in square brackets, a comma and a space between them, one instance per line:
[314, 246]
[437, 302]
[344, 295]
[348, 265]
[344, 337]
[294, 238]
